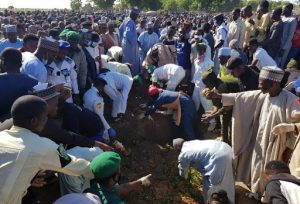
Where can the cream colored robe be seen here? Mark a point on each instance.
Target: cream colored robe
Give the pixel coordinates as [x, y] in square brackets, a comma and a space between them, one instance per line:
[295, 159]
[254, 116]
[268, 146]
[246, 110]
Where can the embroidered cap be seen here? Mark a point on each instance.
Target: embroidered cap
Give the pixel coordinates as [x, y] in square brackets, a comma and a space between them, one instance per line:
[272, 73]
[48, 44]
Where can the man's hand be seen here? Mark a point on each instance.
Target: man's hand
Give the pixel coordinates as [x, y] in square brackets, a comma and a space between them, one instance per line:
[119, 146]
[206, 117]
[103, 146]
[283, 128]
[39, 180]
[145, 180]
[213, 94]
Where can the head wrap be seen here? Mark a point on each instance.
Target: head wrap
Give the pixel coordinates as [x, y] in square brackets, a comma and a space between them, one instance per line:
[105, 165]
[150, 24]
[224, 51]
[78, 198]
[73, 36]
[271, 73]
[63, 34]
[11, 29]
[49, 44]
[234, 62]
[201, 46]
[177, 143]
[153, 90]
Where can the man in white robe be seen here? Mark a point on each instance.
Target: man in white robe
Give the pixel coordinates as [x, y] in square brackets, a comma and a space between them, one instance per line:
[255, 113]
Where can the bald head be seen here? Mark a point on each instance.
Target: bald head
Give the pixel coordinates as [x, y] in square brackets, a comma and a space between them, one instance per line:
[29, 112]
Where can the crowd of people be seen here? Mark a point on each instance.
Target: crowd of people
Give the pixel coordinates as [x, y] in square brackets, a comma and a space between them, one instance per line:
[233, 75]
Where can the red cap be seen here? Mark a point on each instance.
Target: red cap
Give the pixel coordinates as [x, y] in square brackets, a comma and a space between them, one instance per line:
[298, 101]
[153, 90]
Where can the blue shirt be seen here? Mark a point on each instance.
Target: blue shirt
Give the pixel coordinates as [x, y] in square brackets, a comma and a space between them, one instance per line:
[13, 86]
[6, 43]
[183, 54]
[32, 66]
[209, 157]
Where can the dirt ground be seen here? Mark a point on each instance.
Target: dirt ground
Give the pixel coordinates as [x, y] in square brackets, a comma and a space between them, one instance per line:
[149, 152]
[148, 142]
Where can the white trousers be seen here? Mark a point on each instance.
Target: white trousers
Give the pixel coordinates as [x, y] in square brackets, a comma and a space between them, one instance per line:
[119, 97]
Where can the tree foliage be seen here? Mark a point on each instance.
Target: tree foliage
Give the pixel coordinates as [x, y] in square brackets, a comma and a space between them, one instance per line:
[76, 4]
[104, 4]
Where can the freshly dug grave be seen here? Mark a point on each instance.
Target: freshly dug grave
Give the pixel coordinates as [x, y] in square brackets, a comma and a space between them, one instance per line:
[149, 151]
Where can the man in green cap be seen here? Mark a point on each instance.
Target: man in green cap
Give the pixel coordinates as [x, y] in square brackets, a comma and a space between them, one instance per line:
[202, 64]
[77, 54]
[211, 81]
[106, 169]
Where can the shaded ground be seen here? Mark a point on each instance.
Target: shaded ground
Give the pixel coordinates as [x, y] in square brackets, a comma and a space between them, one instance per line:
[147, 142]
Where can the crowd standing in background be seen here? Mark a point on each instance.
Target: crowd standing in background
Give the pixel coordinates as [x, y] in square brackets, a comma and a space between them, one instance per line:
[233, 74]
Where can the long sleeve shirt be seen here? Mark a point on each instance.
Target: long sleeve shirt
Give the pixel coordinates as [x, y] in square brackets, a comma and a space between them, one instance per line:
[94, 102]
[23, 154]
[209, 157]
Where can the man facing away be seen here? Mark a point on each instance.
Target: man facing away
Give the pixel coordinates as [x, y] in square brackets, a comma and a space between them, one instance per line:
[22, 158]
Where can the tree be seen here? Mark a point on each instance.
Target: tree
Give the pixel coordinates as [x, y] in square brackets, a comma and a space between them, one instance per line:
[76, 4]
[104, 4]
[10, 7]
[170, 5]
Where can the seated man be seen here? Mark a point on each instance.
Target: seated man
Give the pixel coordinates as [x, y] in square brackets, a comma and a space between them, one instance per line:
[185, 119]
[117, 88]
[171, 74]
[106, 169]
[24, 153]
[281, 186]
[212, 158]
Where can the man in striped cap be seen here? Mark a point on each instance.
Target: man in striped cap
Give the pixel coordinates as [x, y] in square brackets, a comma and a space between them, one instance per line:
[34, 64]
[255, 113]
